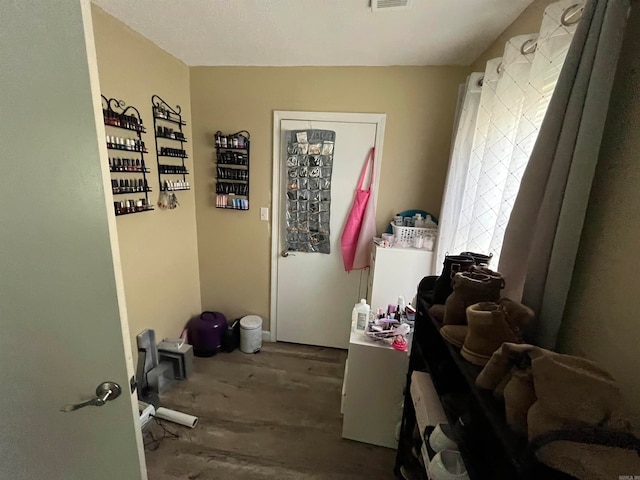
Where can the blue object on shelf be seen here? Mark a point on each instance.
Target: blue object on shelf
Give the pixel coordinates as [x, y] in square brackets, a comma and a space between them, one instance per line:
[411, 213]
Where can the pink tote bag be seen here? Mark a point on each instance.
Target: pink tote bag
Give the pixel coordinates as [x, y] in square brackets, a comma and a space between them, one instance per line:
[355, 219]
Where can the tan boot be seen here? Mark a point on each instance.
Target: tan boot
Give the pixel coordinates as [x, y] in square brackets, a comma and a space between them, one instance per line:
[469, 288]
[454, 334]
[575, 393]
[501, 362]
[490, 325]
[519, 395]
[575, 389]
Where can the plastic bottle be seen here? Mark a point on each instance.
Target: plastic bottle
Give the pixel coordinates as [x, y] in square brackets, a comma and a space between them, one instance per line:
[429, 223]
[354, 317]
[363, 315]
[419, 221]
[401, 304]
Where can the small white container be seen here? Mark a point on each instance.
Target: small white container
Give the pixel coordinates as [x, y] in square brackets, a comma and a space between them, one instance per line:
[354, 317]
[363, 315]
[250, 334]
[429, 223]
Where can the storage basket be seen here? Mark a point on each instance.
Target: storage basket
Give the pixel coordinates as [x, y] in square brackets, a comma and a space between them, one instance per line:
[407, 234]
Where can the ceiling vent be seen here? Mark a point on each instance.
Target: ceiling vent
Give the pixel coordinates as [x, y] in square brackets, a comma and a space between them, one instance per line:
[382, 5]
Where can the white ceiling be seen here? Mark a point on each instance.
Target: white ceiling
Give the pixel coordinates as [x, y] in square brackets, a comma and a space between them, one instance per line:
[318, 32]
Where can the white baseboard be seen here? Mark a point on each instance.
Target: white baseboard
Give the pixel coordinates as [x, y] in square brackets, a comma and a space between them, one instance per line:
[266, 336]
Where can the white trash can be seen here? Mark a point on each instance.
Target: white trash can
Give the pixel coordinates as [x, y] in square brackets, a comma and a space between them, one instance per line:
[250, 334]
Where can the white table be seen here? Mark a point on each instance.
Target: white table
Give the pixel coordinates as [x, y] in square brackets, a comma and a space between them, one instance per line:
[374, 379]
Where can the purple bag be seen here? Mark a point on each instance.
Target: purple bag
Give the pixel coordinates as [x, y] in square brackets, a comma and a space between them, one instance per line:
[205, 333]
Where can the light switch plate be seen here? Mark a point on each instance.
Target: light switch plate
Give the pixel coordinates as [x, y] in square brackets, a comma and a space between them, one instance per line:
[264, 213]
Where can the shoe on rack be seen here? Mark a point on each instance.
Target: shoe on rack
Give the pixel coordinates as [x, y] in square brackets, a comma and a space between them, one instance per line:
[490, 325]
[519, 395]
[441, 438]
[437, 312]
[454, 334]
[469, 288]
[479, 258]
[447, 465]
[443, 284]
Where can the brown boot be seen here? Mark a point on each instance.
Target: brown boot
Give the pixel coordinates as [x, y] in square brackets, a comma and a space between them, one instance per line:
[437, 312]
[575, 393]
[454, 334]
[495, 276]
[469, 288]
[574, 388]
[519, 395]
[490, 325]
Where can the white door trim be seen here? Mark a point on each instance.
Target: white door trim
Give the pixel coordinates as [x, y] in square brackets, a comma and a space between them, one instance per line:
[379, 119]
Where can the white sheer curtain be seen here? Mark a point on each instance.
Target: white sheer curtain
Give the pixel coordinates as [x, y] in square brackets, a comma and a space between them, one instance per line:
[460, 156]
[482, 187]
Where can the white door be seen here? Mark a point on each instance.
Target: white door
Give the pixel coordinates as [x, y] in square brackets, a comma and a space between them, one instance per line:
[61, 298]
[314, 295]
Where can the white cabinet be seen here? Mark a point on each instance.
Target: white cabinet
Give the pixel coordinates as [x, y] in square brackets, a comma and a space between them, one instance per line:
[373, 391]
[395, 272]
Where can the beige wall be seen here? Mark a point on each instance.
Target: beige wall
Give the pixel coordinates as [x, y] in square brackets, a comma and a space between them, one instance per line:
[602, 320]
[529, 21]
[234, 247]
[158, 249]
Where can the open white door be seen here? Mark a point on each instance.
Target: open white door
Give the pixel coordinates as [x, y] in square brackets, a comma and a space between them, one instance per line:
[312, 295]
[63, 323]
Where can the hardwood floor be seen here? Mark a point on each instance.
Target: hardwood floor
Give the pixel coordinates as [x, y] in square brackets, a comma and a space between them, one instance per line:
[272, 415]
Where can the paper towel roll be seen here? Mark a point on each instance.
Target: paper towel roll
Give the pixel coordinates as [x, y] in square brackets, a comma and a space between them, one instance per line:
[176, 417]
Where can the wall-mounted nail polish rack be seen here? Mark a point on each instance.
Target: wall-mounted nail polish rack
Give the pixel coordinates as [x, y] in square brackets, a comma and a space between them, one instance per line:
[129, 185]
[170, 140]
[118, 117]
[232, 170]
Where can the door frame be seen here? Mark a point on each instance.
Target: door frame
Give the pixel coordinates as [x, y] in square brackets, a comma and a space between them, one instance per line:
[378, 119]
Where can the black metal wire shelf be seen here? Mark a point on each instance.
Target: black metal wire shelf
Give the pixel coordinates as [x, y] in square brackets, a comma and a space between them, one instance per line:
[172, 120]
[172, 173]
[117, 114]
[125, 149]
[167, 137]
[148, 209]
[131, 129]
[233, 208]
[124, 170]
[232, 164]
[232, 148]
[172, 156]
[162, 189]
[129, 192]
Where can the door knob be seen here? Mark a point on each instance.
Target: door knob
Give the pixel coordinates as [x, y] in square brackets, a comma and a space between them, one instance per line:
[285, 253]
[105, 392]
